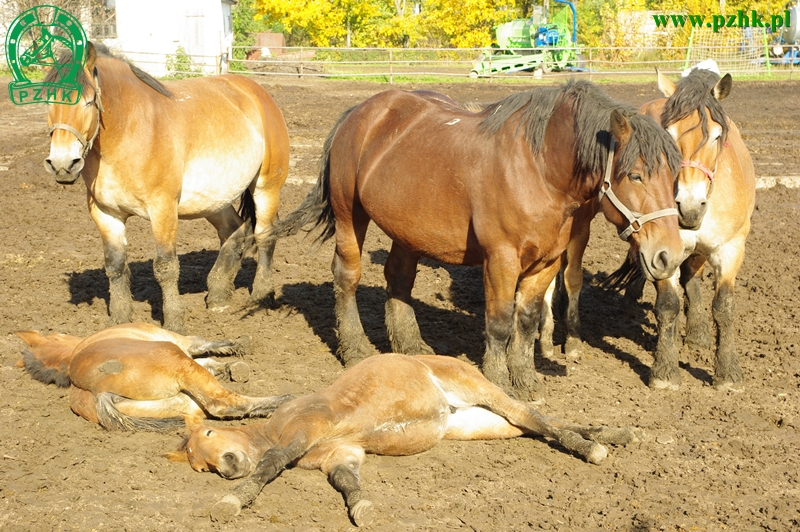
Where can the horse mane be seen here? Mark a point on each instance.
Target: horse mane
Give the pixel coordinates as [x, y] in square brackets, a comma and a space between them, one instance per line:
[54, 74]
[593, 110]
[693, 93]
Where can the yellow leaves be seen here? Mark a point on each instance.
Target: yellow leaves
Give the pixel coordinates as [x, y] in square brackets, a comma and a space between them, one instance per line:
[467, 23]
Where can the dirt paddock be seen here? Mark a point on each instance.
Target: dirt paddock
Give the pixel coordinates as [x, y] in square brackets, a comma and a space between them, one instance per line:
[711, 460]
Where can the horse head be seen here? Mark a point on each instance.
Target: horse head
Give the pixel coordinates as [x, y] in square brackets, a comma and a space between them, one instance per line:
[641, 159]
[74, 128]
[227, 451]
[693, 117]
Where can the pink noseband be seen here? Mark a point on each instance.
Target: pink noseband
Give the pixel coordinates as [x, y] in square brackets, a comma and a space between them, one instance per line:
[700, 166]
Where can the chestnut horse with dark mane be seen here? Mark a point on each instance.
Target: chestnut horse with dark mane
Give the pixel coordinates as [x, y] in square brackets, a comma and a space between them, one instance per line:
[715, 196]
[164, 151]
[497, 188]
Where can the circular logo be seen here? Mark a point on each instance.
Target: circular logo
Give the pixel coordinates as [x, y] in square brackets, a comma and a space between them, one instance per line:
[33, 39]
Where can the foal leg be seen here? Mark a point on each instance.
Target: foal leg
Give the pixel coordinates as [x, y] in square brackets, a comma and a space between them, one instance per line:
[573, 275]
[521, 364]
[342, 463]
[233, 233]
[665, 372]
[400, 272]
[698, 334]
[726, 262]
[353, 343]
[166, 268]
[112, 232]
[266, 196]
[546, 321]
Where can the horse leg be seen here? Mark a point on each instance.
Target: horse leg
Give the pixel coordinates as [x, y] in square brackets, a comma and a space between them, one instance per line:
[346, 266]
[573, 276]
[166, 267]
[296, 439]
[500, 273]
[342, 463]
[266, 195]
[400, 272]
[112, 233]
[665, 372]
[232, 232]
[698, 334]
[546, 321]
[726, 262]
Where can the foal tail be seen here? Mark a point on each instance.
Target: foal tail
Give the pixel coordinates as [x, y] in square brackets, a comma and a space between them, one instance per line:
[110, 418]
[48, 359]
[316, 208]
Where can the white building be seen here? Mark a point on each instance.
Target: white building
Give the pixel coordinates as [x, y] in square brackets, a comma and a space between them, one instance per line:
[148, 32]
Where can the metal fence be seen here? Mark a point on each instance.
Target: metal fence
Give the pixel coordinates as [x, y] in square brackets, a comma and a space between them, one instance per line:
[392, 64]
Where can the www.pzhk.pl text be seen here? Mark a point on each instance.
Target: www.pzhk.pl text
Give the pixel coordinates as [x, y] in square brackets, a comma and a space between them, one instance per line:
[739, 20]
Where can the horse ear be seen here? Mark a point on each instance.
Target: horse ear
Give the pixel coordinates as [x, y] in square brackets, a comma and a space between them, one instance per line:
[723, 87]
[177, 456]
[91, 56]
[666, 86]
[620, 127]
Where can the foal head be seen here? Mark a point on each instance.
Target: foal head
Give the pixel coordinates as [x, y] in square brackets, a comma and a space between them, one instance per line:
[228, 451]
[694, 117]
[73, 128]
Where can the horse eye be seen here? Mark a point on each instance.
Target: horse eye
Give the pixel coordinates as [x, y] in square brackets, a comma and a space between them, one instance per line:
[209, 432]
[635, 177]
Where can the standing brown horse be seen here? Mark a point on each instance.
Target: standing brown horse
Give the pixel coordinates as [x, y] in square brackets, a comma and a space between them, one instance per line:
[715, 195]
[184, 149]
[497, 188]
[390, 404]
[136, 376]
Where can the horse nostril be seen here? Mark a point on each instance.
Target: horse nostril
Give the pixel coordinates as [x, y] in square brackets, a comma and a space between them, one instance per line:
[661, 260]
[75, 163]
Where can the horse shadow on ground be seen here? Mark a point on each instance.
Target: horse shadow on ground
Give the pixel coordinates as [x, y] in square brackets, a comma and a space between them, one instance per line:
[88, 285]
[606, 313]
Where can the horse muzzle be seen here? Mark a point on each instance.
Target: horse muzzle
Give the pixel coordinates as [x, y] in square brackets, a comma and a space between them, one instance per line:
[234, 464]
[691, 212]
[659, 265]
[66, 170]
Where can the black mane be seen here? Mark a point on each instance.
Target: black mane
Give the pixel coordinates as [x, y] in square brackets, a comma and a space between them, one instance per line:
[693, 93]
[54, 74]
[593, 122]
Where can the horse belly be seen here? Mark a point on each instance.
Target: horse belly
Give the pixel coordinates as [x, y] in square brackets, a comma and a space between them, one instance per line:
[210, 184]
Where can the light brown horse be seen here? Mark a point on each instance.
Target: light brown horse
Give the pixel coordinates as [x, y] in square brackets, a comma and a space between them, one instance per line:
[137, 376]
[715, 195]
[497, 188]
[387, 404]
[183, 149]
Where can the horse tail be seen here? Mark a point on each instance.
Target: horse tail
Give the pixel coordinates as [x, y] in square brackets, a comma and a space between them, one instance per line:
[112, 419]
[316, 208]
[247, 208]
[48, 358]
[628, 276]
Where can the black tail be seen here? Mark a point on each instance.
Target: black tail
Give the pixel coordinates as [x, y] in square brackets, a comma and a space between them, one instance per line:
[112, 419]
[628, 276]
[247, 208]
[316, 208]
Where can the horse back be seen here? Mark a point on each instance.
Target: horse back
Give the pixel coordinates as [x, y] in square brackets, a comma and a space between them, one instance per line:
[141, 370]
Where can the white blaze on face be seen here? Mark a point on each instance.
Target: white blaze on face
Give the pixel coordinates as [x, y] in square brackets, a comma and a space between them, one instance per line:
[65, 149]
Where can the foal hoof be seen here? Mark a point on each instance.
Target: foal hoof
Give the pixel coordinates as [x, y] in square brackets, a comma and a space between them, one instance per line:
[226, 509]
[362, 513]
[728, 386]
[596, 454]
[240, 371]
[572, 348]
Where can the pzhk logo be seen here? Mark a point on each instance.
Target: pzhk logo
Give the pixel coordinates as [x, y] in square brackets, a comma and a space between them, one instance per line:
[30, 41]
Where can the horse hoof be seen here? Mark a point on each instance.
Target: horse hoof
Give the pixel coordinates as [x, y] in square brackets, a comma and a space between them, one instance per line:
[660, 384]
[728, 386]
[226, 509]
[240, 371]
[597, 454]
[572, 348]
[219, 309]
[363, 512]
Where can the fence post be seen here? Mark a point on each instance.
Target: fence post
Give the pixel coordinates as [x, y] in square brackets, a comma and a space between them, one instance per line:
[301, 61]
[590, 64]
[391, 70]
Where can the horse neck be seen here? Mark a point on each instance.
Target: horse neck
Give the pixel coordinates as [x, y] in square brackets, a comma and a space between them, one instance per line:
[122, 91]
[259, 436]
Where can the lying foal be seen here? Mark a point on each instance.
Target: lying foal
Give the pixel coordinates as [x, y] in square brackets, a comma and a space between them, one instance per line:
[387, 404]
[137, 376]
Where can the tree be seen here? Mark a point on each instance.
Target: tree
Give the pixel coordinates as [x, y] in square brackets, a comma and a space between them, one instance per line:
[467, 23]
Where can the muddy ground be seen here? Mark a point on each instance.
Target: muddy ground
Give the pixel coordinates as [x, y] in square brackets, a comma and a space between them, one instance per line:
[711, 460]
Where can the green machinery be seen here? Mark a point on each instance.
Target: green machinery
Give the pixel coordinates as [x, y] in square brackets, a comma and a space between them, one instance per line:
[536, 42]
